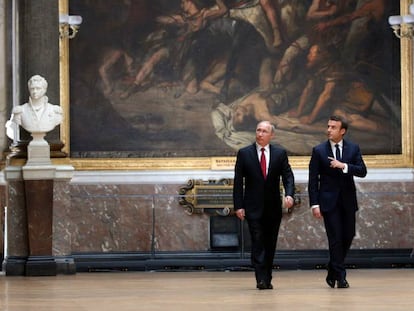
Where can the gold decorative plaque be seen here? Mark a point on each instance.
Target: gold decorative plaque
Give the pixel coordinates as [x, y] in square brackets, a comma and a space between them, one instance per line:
[215, 197]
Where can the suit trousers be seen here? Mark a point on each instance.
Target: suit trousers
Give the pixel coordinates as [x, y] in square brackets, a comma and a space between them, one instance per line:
[340, 230]
[264, 234]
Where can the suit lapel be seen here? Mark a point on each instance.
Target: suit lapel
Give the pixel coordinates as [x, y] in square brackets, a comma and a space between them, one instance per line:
[254, 158]
[344, 150]
[271, 157]
[329, 149]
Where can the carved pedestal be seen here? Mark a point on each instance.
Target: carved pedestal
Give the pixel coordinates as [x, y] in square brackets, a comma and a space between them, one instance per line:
[38, 150]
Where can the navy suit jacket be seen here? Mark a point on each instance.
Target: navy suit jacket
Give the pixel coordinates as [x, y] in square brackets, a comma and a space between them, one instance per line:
[327, 185]
[254, 193]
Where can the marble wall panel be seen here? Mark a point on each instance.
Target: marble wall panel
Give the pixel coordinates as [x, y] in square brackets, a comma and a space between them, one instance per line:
[2, 207]
[142, 218]
[16, 220]
[385, 220]
[110, 218]
[300, 230]
[116, 218]
[174, 229]
[62, 224]
[148, 218]
[385, 217]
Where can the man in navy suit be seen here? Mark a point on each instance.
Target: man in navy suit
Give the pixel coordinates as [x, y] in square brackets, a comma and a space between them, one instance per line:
[332, 194]
[257, 197]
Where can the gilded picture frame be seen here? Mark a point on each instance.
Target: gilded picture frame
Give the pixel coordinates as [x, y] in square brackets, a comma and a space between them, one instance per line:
[404, 159]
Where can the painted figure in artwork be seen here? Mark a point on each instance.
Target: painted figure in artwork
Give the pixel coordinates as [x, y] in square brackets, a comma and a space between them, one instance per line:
[293, 62]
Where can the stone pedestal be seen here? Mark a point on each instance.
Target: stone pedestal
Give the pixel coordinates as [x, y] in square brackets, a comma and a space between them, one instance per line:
[38, 150]
[34, 247]
[39, 211]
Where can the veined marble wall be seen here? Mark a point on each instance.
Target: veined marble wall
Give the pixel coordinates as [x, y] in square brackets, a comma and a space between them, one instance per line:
[125, 216]
[119, 218]
[139, 212]
[2, 208]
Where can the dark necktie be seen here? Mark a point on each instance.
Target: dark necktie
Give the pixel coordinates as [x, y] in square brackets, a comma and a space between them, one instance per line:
[337, 152]
[263, 163]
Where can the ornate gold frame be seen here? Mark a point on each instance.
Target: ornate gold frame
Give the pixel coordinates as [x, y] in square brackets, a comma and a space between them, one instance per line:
[405, 159]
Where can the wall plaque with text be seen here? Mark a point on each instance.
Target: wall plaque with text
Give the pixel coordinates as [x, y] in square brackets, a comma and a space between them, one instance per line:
[214, 197]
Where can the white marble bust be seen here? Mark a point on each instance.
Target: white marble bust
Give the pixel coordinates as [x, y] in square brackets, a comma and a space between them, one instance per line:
[38, 115]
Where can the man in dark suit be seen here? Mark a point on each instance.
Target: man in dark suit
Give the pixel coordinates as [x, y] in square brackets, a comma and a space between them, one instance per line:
[332, 194]
[257, 197]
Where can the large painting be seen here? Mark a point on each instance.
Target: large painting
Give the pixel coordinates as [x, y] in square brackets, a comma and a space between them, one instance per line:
[191, 78]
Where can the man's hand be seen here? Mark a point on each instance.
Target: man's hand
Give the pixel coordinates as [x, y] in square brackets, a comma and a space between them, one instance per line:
[240, 213]
[336, 164]
[289, 201]
[316, 211]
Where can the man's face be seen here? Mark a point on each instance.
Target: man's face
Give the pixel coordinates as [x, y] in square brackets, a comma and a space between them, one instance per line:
[264, 133]
[37, 90]
[334, 131]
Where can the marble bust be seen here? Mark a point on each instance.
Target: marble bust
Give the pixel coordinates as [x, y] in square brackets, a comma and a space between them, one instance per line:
[37, 115]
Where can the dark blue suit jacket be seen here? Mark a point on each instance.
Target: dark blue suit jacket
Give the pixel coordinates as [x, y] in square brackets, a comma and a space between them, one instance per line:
[327, 185]
[259, 196]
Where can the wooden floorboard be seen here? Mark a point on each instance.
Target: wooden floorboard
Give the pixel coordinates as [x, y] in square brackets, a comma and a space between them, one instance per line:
[371, 289]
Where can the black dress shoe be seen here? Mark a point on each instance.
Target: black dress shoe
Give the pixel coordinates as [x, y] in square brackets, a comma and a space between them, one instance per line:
[330, 282]
[330, 277]
[263, 285]
[343, 284]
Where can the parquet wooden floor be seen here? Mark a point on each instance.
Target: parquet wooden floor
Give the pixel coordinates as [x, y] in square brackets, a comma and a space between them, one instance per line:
[371, 289]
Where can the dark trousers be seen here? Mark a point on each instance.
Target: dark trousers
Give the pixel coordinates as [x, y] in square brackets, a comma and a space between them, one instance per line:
[340, 229]
[264, 233]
